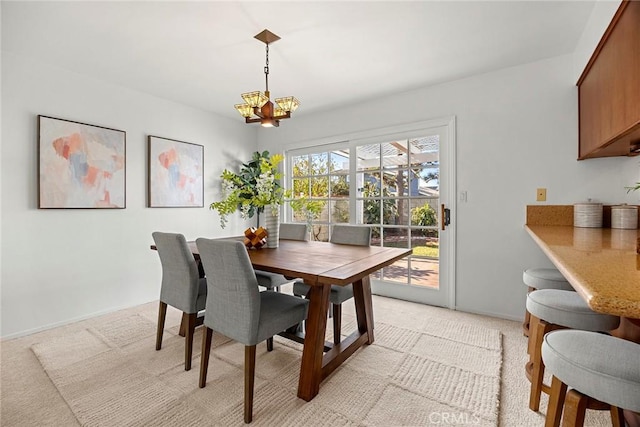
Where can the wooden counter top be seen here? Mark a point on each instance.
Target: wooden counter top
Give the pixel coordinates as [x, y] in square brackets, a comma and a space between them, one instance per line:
[600, 263]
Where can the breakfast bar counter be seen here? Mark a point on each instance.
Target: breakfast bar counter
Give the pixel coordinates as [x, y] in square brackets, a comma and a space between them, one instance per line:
[600, 263]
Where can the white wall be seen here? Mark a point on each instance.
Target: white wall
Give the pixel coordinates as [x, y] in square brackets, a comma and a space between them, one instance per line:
[59, 265]
[516, 131]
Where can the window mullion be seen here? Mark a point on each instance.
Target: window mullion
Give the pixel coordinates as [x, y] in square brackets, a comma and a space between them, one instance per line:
[353, 186]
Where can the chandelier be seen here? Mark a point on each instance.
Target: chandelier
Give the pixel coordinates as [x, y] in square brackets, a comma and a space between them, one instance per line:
[258, 107]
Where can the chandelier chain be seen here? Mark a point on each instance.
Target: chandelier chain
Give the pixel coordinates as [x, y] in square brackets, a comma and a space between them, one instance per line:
[266, 68]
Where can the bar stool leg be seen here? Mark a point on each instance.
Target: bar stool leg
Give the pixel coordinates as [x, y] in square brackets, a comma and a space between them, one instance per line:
[527, 318]
[575, 407]
[537, 374]
[556, 403]
[526, 323]
[617, 416]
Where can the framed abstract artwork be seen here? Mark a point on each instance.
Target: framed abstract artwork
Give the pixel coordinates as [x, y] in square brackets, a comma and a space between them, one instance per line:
[175, 174]
[80, 166]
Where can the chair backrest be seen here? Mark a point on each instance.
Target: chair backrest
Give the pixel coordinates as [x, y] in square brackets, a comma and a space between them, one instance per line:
[292, 231]
[180, 275]
[233, 298]
[356, 235]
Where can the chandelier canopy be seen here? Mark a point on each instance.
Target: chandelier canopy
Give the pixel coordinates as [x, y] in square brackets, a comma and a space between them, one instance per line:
[257, 106]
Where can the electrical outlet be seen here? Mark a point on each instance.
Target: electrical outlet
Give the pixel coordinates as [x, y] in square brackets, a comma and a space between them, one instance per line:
[541, 194]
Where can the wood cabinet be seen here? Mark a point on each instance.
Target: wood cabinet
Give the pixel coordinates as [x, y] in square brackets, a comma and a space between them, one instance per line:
[609, 90]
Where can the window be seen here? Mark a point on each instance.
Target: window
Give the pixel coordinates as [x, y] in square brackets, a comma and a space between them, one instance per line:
[323, 176]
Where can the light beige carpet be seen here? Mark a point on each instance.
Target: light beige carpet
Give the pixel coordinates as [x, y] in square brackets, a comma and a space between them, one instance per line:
[441, 371]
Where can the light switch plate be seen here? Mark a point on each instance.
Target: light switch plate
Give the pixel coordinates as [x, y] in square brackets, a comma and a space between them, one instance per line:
[541, 195]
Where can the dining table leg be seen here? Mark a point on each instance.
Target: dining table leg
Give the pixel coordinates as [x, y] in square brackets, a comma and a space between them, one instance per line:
[364, 307]
[312, 352]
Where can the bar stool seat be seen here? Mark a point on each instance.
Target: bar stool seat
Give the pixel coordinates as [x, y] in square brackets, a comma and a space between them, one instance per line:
[545, 278]
[568, 309]
[542, 278]
[596, 366]
[556, 309]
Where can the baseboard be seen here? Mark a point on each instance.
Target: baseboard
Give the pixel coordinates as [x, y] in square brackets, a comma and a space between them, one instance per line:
[462, 310]
[66, 322]
[492, 314]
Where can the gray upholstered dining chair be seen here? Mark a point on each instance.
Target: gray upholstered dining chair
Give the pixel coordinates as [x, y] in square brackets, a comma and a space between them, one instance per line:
[238, 310]
[288, 231]
[356, 235]
[273, 281]
[181, 287]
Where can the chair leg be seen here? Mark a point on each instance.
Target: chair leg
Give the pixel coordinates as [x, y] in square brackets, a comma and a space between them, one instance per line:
[249, 377]
[337, 322]
[188, 344]
[556, 403]
[537, 376]
[183, 325]
[162, 314]
[575, 407]
[207, 334]
[270, 339]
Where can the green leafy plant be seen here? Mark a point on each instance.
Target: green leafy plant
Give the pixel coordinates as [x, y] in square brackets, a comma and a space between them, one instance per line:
[309, 208]
[371, 207]
[633, 187]
[255, 186]
[423, 215]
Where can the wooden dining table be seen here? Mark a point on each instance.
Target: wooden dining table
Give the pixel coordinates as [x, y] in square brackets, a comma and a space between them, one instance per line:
[320, 265]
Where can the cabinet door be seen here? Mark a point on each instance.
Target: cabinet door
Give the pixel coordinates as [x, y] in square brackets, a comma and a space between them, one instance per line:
[609, 88]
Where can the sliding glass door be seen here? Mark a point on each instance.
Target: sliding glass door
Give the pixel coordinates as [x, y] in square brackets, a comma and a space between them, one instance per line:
[398, 185]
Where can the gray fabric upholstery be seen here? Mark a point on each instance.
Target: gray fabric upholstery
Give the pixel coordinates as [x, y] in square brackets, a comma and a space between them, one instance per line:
[235, 307]
[288, 231]
[270, 280]
[279, 312]
[597, 365]
[339, 294]
[545, 278]
[293, 231]
[568, 309]
[181, 286]
[355, 235]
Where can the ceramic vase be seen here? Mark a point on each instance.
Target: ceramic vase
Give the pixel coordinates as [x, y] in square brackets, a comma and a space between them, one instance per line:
[272, 225]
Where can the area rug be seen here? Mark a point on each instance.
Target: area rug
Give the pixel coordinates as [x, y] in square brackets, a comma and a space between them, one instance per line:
[441, 373]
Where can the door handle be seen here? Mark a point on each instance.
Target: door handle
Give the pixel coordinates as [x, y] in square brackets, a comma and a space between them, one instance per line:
[445, 215]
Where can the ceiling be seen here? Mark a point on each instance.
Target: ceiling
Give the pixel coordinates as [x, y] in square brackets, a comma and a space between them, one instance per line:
[331, 54]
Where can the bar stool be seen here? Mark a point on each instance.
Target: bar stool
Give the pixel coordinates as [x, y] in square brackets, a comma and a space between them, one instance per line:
[555, 309]
[542, 278]
[596, 366]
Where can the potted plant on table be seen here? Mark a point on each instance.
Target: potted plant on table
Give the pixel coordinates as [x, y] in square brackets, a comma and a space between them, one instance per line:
[256, 189]
[256, 186]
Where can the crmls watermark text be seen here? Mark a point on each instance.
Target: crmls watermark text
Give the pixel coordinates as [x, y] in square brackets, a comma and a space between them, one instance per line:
[453, 418]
